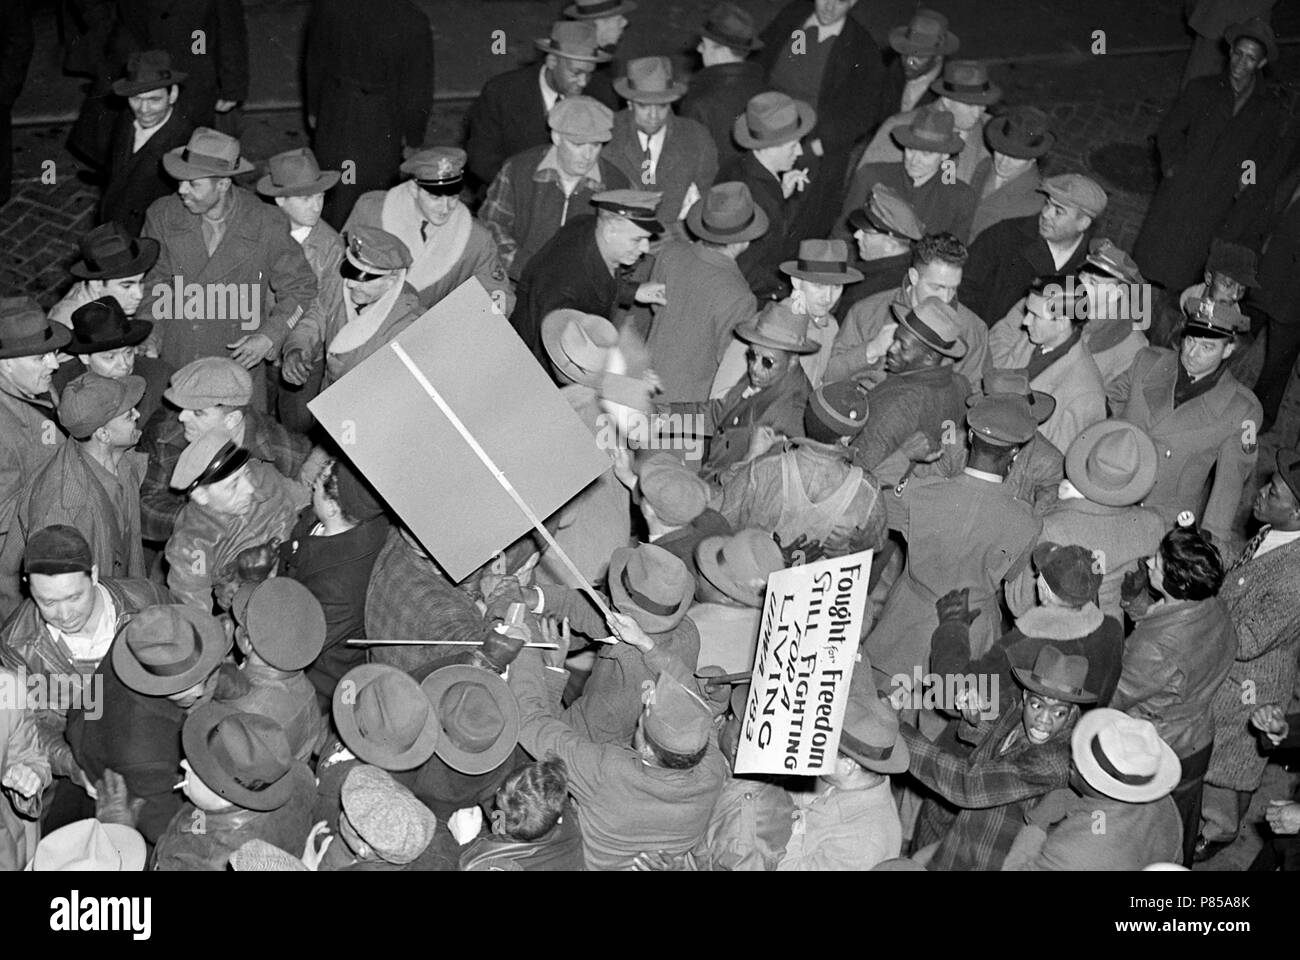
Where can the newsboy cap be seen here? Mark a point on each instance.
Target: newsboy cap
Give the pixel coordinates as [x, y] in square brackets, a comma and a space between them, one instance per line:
[90, 401]
[582, 120]
[209, 382]
[1076, 190]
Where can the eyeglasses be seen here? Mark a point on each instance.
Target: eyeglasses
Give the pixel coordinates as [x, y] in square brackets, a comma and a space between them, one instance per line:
[767, 363]
[350, 271]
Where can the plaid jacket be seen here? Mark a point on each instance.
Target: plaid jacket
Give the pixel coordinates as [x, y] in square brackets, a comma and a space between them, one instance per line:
[163, 441]
[992, 787]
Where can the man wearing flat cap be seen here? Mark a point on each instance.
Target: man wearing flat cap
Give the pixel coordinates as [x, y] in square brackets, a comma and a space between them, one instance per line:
[538, 191]
[706, 293]
[963, 531]
[654, 147]
[67, 627]
[238, 252]
[448, 244]
[587, 265]
[511, 113]
[1047, 342]
[1200, 417]
[93, 482]
[936, 268]
[210, 393]
[235, 503]
[719, 92]
[368, 89]
[1008, 256]
[154, 125]
[1215, 127]
[28, 423]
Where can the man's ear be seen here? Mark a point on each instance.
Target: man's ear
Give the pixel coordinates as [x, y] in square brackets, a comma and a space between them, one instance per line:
[913, 276]
[94, 574]
[1229, 349]
[172, 93]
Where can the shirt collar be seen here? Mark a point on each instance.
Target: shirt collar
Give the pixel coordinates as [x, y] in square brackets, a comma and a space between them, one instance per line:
[549, 94]
[981, 475]
[548, 170]
[824, 33]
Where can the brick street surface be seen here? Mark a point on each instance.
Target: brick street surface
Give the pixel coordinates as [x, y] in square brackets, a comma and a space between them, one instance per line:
[1110, 104]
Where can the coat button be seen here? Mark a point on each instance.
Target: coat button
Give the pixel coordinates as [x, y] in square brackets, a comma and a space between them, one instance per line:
[1241, 581]
[1169, 453]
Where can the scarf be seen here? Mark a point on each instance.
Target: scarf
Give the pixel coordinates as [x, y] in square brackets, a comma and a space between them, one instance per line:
[1040, 361]
[431, 259]
[361, 325]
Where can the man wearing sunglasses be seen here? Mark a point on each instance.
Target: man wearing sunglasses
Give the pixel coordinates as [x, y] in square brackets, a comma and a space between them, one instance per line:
[448, 244]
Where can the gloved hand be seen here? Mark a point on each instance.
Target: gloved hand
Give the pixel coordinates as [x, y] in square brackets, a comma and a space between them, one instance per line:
[256, 563]
[955, 605]
[115, 803]
[504, 593]
[1135, 591]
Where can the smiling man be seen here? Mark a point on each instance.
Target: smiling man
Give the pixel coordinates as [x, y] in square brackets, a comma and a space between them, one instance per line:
[141, 138]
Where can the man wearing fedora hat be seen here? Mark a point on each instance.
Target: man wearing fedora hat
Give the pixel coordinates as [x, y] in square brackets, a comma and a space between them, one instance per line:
[1216, 124]
[106, 343]
[279, 630]
[113, 264]
[654, 795]
[154, 125]
[914, 61]
[769, 132]
[654, 146]
[1261, 592]
[241, 783]
[67, 627]
[719, 92]
[235, 502]
[1199, 416]
[818, 276]
[510, 114]
[920, 391]
[212, 232]
[368, 90]
[539, 190]
[733, 571]
[705, 291]
[772, 394]
[29, 344]
[93, 482]
[817, 52]
[448, 244]
[1022, 755]
[1109, 468]
[588, 265]
[967, 530]
[655, 588]
[1006, 184]
[921, 174]
[1009, 255]
[850, 821]
[1121, 769]
[964, 90]
[609, 19]
[1046, 340]
[937, 269]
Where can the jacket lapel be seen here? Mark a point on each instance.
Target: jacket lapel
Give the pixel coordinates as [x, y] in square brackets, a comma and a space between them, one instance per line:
[235, 245]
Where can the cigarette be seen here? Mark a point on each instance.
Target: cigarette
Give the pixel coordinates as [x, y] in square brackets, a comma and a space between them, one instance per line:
[180, 784]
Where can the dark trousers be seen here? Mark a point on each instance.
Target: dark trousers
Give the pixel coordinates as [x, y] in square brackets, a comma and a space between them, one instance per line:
[6, 151]
[1187, 797]
[1281, 351]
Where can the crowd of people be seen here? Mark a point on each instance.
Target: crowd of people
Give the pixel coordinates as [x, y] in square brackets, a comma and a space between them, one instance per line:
[832, 298]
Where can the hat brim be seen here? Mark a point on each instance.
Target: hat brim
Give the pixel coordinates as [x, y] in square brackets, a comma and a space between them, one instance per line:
[706, 561]
[132, 673]
[1076, 465]
[901, 43]
[194, 740]
[544, 44]
[623, 602]
[897, 762]
[136, 332]
[752, 231]
[1271, 50]
[552, 326]
[179, 169]
[147, 250]
[987, 98]
[1193, 328]
[750, 46]
[1024, 676]
[574, 12]
[1041, 405]
[791, 268]
[954, 352]
[807, 120]
[671, 95]
[750, 334]
[128, 843]
[905, 138]
[60, 337]
[996, 136]
[128, 88]
[436, 684]
[327, 179]
[1168, 773]
[345, 721]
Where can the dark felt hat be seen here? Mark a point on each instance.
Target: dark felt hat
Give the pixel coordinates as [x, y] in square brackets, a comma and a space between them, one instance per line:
[773, 118]
[727, 213]
[295, 173]
[384, 717]
[25, 331]
[108, 252]
[1056, 676]
[168, 648]
[777, 327]
[822, 261]
[740, 564]
[1015, 383]
[1072, 571]
[243, 757]
[147, 70]
[1021, 132]
[478, 716]
[732, 26]
[101, 325]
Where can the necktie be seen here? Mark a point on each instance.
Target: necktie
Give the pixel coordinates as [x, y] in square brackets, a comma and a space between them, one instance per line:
[1248, 554]
[647, 165]
[424, 231]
